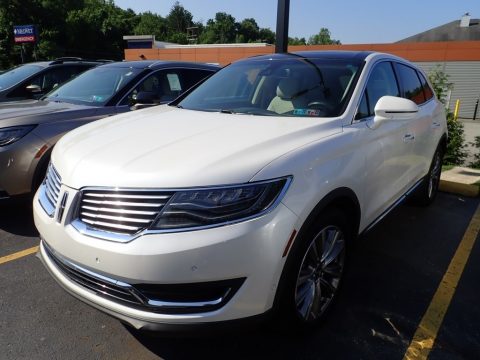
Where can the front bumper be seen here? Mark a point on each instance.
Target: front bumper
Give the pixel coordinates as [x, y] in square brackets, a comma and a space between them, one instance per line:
[250, 250]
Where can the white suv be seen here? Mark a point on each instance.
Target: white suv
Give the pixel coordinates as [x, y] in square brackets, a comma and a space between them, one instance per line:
[239, 199]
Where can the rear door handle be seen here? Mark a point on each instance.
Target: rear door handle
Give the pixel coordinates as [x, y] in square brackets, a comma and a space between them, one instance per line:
[408, 137]
[435, 125]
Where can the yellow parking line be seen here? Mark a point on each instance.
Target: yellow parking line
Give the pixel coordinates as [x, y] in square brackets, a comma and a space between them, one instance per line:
[18, 255]
[424, 338]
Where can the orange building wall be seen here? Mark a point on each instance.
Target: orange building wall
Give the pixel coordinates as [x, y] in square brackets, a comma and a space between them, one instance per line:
[426, 51]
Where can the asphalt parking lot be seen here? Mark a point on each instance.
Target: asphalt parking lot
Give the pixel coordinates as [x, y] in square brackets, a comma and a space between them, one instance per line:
[394, 273]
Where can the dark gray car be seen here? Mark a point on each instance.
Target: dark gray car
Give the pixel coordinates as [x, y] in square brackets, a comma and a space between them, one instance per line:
[29, 129]
[33, 80]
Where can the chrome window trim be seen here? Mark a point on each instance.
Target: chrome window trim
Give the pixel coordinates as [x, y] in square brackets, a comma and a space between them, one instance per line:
[392, 60]
[115, 237]
[364, 87]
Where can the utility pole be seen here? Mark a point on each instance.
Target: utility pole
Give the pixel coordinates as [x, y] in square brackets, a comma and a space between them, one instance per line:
[283, 13]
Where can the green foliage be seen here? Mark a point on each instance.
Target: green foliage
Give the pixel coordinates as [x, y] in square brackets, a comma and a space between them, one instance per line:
[440, 82]
[95, 29]
[476, 157]
[151, 24]
[248, 31]
[87, 28]
[178, 20]
[455, 154]
[221, 30]
[266, 36]
[297, 41]
[323, 38]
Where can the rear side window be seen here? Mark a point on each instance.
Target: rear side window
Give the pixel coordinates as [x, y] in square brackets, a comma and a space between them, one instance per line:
[193, 76]
[47, 80]
[412, 88]
[426, 88]
[381, 82]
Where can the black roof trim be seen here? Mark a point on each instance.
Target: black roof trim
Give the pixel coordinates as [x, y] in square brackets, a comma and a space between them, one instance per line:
[316, 54]
[158, 64]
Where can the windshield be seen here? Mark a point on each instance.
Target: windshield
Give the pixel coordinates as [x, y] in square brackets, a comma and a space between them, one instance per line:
[96, 86]
[294, 86]
[15, 75]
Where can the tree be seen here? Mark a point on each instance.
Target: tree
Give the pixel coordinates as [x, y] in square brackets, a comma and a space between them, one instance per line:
[296, 41]
[248, 30]
[97, 30]
[323, 38]
[178, 20]
[440, 82]
[87, 28]
[266, 35]
[455, 153]
[221, 30]
[151, 24]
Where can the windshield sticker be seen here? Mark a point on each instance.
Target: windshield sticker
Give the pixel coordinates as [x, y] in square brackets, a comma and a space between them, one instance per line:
[97, 98]
[306, 112]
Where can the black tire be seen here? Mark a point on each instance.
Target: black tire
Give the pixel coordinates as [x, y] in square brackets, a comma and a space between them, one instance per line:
[427, 191]
[313, 272]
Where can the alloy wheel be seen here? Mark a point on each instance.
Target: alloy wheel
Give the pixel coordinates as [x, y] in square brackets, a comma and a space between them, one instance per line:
[434, 178]
[320, 273]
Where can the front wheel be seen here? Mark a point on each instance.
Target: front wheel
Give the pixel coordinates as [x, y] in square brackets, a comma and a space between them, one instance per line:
[314, 271]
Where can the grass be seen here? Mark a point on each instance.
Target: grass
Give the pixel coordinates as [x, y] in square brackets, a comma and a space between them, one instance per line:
[447, 167]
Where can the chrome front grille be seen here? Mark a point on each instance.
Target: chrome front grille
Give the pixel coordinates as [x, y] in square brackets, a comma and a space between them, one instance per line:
[125, 212]
[50, 190]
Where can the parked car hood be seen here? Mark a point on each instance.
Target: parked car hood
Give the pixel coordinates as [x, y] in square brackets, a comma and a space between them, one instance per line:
[166, 147]
[36, 112]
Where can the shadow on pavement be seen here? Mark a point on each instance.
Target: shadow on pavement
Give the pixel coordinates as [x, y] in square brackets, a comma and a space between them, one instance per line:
[259, 342]
[16, 217]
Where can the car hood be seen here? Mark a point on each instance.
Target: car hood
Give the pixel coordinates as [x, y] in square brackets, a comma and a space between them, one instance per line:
[166, 147]
[35, 112]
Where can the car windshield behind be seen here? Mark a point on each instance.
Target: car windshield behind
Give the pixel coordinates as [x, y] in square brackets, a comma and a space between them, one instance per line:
[17, 74]
[295, 86]
[94, 87]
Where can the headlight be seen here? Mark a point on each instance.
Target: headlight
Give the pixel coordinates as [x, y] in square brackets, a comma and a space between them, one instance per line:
[11, 134]
[220, 205]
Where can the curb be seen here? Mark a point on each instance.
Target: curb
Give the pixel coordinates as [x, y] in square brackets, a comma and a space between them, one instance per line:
[459, 188]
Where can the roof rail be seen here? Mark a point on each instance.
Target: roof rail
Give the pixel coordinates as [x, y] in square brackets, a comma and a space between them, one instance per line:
[61, 60]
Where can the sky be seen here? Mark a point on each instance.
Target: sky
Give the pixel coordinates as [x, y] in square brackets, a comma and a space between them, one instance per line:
[351, 22]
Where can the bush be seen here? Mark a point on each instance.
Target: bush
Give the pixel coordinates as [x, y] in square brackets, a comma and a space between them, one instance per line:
[476, 157]
[455, 154]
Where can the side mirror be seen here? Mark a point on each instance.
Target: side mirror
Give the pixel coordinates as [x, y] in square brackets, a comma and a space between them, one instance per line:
[392, 108]
[145, 99]
[33, 89]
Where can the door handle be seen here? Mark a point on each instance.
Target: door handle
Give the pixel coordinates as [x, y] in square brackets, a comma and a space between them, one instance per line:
[435, 125]
[408, 137]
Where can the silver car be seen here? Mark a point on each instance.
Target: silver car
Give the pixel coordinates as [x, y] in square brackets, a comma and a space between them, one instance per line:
[29, 129]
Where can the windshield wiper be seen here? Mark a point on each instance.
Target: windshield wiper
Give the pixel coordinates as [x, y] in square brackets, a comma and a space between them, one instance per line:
[227, 111]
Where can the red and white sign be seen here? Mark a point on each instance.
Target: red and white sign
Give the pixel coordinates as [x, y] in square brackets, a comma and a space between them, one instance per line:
[24, 33]
[22, 39]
